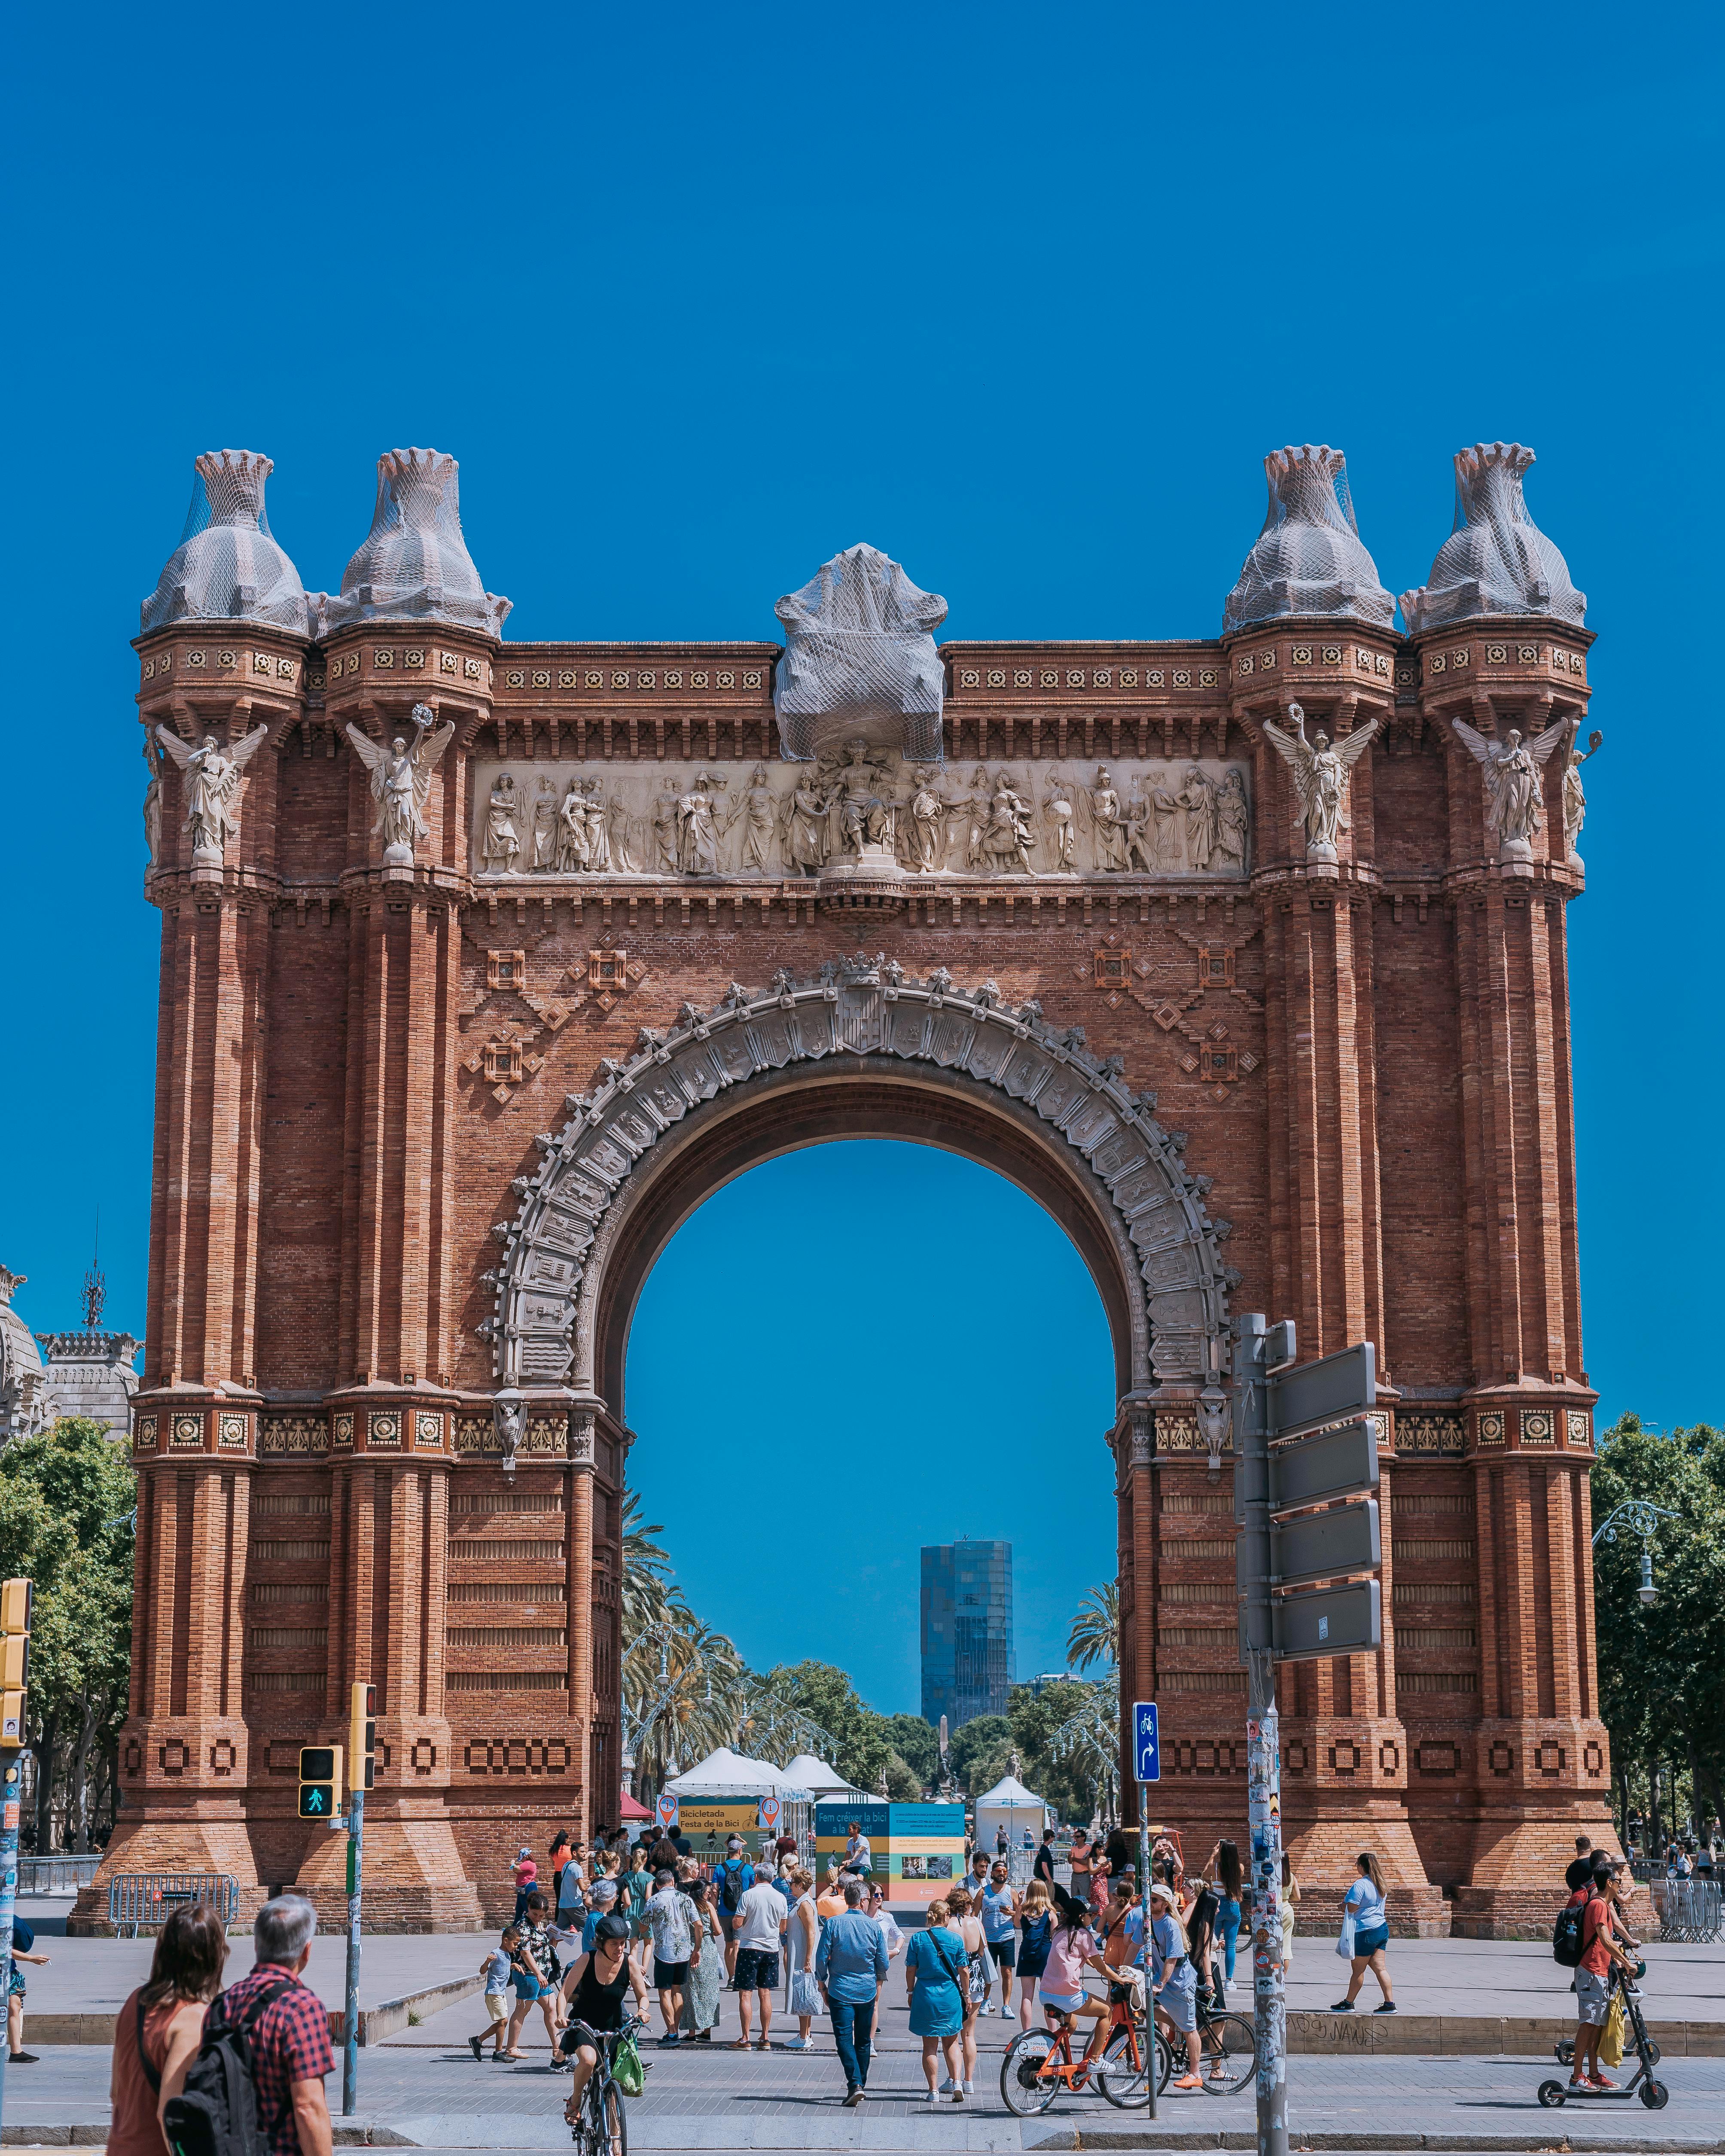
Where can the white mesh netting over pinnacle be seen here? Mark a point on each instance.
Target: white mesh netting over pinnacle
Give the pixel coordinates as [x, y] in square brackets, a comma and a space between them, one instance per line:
[860, 659]
[415, 565]
[1308, 559]
[227, 566]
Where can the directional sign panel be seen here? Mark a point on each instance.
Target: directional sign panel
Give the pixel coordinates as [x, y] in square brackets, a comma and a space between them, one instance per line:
[1313, 1393]
[1326, 1545]
[1335, 1620]
[1147, 1741]
[1335, 1463]
[666, 1807]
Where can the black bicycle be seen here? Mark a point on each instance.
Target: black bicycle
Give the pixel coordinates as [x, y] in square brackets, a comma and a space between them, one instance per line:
[1227, 2051]
[601, 2127]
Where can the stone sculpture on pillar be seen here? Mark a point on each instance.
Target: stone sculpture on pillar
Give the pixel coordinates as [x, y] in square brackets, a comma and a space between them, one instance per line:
[211, 789]
[1319, 773]
[1308, 560]
[506, 1420]
[1509, 771]
[1497, 561]
[860, 659]
[401, 782]
[1574, 798]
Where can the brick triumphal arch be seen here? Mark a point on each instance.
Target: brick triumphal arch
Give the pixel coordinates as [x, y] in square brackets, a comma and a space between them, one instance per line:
[484, 962]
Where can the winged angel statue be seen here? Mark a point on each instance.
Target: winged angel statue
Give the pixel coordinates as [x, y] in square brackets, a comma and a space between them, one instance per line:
[211, 789]
[1509, 771]
[1320, 770]
[401, 783]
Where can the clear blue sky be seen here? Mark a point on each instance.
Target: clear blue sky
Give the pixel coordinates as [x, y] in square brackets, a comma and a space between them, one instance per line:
[699, 295]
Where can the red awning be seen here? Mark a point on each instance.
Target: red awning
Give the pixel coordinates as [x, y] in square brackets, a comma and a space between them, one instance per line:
[630, 1809]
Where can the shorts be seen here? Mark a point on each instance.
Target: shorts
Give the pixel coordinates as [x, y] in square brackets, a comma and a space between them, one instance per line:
[668, 1975]
[640, 1928]
[497, 2005]
[1179, 2001]
[1372, 1942]
[1005, 1952]
[727, 1920]
[1593, 1998]
[756, 1970]
[15, 1988]
[527, 1989]
[1066, 2002]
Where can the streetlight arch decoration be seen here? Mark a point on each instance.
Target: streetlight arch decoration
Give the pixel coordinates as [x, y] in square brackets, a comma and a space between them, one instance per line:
[1641, 1517]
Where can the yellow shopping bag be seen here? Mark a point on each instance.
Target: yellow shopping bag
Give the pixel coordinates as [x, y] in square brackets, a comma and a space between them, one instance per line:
[1611, 2037]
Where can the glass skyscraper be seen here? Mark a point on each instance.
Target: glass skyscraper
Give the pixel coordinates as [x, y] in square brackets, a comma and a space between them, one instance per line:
[967, 1630]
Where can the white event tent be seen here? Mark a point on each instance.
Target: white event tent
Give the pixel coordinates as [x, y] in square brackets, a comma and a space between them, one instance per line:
[824, 1783]
[727, 1773]
[1010, 1805]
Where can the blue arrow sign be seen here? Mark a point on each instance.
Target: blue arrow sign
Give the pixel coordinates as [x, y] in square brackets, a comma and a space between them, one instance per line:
[1147, 1741]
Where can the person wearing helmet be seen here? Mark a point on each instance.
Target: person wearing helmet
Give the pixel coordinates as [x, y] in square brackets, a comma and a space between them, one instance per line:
[594, 1989]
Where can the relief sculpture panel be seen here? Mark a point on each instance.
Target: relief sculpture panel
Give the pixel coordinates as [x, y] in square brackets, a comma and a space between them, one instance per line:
[860, 804]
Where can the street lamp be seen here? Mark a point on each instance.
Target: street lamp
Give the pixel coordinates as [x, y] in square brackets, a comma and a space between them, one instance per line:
[1641, 1518]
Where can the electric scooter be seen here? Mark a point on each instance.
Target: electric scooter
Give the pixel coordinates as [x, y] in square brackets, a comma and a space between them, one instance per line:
[1553, 2095]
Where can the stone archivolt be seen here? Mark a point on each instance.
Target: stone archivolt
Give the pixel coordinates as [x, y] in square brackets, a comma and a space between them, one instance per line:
[391, 1278]
[542, 1332]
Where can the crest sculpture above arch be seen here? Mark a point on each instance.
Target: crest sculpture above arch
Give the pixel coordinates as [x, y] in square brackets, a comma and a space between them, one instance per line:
[557, 1247]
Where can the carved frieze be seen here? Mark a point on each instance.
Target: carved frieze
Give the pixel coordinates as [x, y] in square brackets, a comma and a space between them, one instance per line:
[860, 805]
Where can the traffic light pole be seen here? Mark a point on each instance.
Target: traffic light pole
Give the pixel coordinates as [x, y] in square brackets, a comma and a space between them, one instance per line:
[9, 1785]
[350, 2019]
[1251, 1453]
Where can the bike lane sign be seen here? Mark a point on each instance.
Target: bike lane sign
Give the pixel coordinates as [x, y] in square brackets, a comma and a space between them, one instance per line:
[1147, 1743]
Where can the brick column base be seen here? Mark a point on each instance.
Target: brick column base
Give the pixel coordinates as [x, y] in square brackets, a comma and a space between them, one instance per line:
[213, 1838]
[414, 1880]
[1516, 1880]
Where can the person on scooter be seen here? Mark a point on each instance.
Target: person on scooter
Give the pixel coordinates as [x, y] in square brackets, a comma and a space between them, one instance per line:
[1601, 1929]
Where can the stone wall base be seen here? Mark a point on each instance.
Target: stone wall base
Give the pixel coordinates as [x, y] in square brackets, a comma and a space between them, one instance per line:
[170, 1844]
[413, 1879]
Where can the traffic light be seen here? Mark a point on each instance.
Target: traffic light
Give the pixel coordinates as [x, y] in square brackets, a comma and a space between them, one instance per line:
[15, 1599]
[319, 1781]
[362, 1735]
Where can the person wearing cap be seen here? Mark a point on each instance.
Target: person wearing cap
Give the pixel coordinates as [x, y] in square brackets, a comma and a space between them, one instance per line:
[593, 1990]
[731, 1881]
[1173, 1979]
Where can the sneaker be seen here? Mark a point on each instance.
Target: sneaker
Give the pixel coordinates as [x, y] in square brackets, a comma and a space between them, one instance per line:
[26, 2058]
[1342, 2006]
[949, 2087]
[931, 2099]
[970, 2088]
[1388, 2007]
[1602, 2081]
[1189, 2082]
[852, 2099]
[476, 2044]
[799, 2044]
[670, 2037]
[958, 2096]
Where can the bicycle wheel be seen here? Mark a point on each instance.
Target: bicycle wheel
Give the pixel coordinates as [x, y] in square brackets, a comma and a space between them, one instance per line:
[613, 2131]
[1123, 2076]
[1229, 2053]
[1025, 2089]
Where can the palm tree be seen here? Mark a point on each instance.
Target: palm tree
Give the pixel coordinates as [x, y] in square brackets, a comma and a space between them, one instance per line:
[1089, 1741]
[682, 1692]
[646, 1573]
[1095, 1636]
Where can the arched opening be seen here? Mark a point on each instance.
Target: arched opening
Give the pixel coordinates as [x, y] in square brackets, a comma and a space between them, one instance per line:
[852, 1350]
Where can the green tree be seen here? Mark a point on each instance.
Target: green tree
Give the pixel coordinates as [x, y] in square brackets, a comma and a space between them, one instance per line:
[1095, 1636]
[978, 1744]
[827, 1697]
[917, 1743]
[1036, 1717]
[67, 1502]
[1662, 1668]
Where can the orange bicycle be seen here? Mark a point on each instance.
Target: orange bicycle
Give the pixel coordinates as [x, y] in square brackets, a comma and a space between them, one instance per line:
[1039, 2064]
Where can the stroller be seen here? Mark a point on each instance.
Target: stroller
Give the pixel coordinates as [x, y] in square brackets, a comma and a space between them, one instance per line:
[1554, 2094]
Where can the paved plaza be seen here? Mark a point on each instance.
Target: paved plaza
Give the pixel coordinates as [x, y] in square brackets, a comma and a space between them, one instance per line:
[421, 2086]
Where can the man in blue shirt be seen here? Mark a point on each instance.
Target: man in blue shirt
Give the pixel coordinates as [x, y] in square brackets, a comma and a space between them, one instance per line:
[850, 1963]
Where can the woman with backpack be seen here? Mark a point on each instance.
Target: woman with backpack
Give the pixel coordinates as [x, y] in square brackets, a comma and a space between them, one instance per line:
[157, 2031]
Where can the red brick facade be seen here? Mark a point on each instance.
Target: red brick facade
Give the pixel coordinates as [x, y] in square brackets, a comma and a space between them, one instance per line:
[1371, 1069]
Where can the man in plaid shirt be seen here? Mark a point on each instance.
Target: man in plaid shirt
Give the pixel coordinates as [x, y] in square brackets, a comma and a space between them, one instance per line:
[290, 2038]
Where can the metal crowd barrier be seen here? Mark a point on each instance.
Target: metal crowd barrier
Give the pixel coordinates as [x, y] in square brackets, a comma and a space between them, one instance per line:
[56, 1875]
[1689, 1909]
[141, 1900]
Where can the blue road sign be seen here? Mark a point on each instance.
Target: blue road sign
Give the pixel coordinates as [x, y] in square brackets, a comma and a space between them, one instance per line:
[1147, 1741]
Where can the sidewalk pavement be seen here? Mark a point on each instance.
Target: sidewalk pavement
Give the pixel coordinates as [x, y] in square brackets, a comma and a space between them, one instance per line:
[424, 2089]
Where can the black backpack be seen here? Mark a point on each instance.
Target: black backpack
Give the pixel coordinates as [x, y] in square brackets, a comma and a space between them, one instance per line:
[216, 2112]
[732, 1889]
[1566, 1936]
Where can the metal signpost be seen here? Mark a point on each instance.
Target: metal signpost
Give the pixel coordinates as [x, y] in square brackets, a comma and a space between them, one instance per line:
[1147, 1768]
[1289, 1545]
[362, 1761]
[15, 1600]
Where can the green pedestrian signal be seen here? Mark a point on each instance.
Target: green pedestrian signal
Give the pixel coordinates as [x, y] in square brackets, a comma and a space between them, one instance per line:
[319, 1781]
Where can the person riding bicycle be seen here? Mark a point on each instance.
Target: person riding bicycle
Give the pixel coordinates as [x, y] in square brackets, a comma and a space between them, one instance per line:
[594, 1988]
